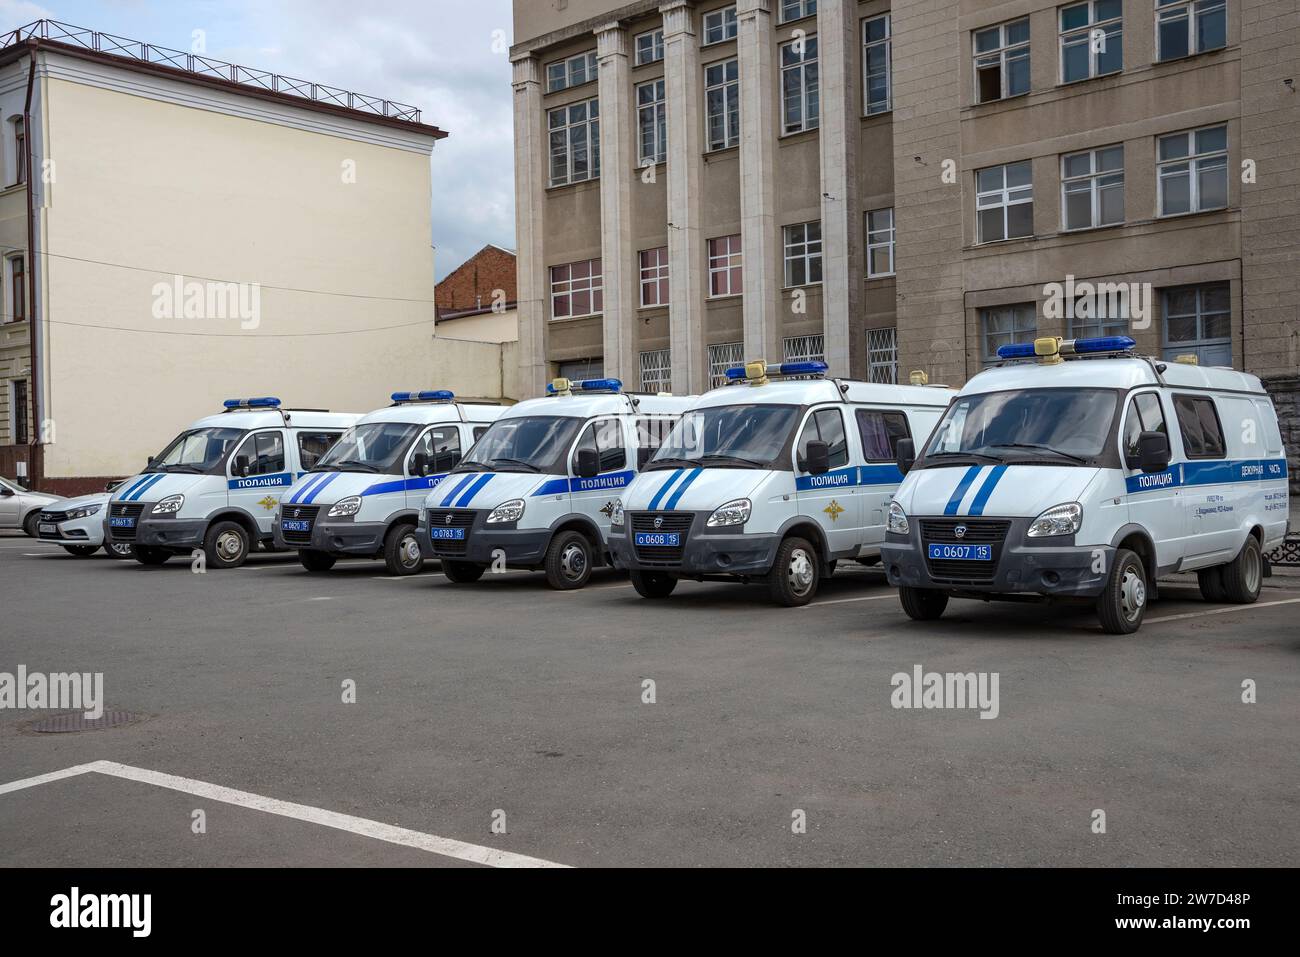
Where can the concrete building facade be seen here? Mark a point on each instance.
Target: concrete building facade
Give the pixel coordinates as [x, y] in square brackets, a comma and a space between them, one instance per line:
[907, 185]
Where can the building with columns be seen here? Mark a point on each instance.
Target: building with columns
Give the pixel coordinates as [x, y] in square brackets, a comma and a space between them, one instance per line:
[903, 186]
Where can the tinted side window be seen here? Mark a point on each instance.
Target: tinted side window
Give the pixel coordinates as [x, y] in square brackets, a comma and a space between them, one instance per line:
[442, 446]
[828, 426]
[606, 437]
[1199, 423]
[312, 445]
[265, 452]
[478, 431]
[880, 434]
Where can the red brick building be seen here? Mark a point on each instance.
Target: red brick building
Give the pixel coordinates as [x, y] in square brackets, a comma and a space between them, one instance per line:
[485, 279]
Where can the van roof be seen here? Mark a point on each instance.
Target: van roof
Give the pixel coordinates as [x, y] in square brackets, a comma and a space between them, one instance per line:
[1116, 372]
[585, 405]
[270, 419]
[427, 413]
[810, 391]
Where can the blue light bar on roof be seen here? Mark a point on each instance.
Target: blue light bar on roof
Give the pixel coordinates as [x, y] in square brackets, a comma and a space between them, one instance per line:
[1017, 350]
[266, 402]
[1066, 347]
[590, 385]
[437, 395]
[810, 367]
[1103, 344]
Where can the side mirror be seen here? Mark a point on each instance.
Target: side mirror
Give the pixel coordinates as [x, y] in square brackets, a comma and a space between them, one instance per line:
[1153, 452]
[112, 486]
[420, 464]
[817, 458]
[241, 465]
[905, 455]
[588, 463]
[149, 464]
[6, 491]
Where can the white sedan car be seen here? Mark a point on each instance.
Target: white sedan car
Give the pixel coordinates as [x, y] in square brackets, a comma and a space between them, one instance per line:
[19, 507]
[77, 524]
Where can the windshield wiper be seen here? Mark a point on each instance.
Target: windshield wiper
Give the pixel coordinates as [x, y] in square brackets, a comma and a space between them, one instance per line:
[187, 469]
[528, 465]
[671, 463]
[962, 455]
[719, 457]
[472, 467]
[364, 466]
[1041, 448]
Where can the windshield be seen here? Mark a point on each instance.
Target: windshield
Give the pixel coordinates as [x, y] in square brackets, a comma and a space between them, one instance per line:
[747, 436]
[526, 443]
[369, 447]
[1060, 425]
[198, 451]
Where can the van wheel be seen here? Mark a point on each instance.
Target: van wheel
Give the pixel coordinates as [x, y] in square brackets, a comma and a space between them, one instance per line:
[81, 551]
[653, 584]
[568, 561]
[462, 573]
[147, 555]
[402, 551]
[225, 545]
[1211, 582]
[117, 550]
[1243, 577]
[315, 561]
[1123, 602]
[923, 604]
[793, 579]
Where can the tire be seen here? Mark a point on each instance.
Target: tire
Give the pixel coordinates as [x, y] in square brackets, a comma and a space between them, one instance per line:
[1243, 577]
[146, 555]
[30, 523]
[81, 551]
[225, 545]
[1211, 582]
[402, 550]
[1122, 604]
[117, 550]
[923, 604]
[795, 574]
[653, 584]
[568, 561]
[315, 561]
[462, 573]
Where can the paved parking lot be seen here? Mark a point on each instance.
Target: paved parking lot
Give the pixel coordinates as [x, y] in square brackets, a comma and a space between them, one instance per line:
[505, 702]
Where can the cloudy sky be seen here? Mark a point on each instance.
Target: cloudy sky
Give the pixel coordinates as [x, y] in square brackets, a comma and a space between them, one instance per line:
[448, 57]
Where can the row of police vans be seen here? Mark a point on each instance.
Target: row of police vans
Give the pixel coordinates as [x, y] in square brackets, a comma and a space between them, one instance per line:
[1073, 470]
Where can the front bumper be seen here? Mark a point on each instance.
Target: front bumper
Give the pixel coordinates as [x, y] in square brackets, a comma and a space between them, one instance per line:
[337, 538]
[1048, 567]
[161, 533]
[76, 531]
[483, 543]
[706, 552]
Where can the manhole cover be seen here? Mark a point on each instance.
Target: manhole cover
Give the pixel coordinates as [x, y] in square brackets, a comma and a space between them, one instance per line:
[75, 721]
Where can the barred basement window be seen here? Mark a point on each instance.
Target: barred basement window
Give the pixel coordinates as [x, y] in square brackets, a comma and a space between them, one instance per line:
[882, 355]
[724, 356]
[657, 371]
[804, 349]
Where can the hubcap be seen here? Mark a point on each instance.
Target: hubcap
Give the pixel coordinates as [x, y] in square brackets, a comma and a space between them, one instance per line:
[1133, 593]
[801, 571]
[573, 562]
[410, 551]
[229, 545]
[122, 549]
[1251, 569]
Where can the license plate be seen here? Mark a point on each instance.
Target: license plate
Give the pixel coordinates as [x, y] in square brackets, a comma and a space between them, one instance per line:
[296, 526]
[662, 539]
[122, 522]
[447, 534]
[963, 553]
[47, 529]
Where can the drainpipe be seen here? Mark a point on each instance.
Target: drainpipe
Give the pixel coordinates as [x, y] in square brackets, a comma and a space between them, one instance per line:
[34, 440]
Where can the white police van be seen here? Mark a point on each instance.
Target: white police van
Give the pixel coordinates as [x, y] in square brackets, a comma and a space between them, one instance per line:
[537, 491]
[217, 485]
[1089, 479]
[363, 496]
[771, 481]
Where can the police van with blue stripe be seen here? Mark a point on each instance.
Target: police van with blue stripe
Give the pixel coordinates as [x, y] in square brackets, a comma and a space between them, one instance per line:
[538, 489]
[363, 496]
[217, 485]
[774, 478]
[1089, 479]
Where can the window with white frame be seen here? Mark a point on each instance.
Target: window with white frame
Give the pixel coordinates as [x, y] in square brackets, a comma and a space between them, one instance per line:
[1003, 325]
[722, 103]
[652, 123]
[657, 371]
[1092, 39]
[720, 25]
[654, 277]
[1185, 27]
[724, 356]
[1001, 61]
[803, 349]
[880, 243]
[800, 97]
[577, 289]
[726, 266]
[1004, 202]
[877, 58]
[1192, 169]
[882, 355]
[1103, 313]
[574, 71]
[649, 47]
[1198, 321]
[1092, 188]
[574, 142]
[797, 9]
[803, 254]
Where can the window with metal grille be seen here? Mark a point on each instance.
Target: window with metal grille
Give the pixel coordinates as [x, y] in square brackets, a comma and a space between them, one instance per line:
[19, 412]
[804, 349]
[657, 371]
[882, 355]
[724, 356]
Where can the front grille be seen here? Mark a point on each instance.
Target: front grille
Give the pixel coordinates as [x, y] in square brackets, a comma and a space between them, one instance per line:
[977, 532]
[450, 518]
[122, 510]
[298, 513]
[679, 522]
[47, 518]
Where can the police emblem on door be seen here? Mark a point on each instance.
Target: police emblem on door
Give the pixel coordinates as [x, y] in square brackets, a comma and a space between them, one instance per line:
[834, 510]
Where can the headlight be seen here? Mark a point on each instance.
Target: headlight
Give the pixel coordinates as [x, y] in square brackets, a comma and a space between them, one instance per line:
[616, 516]
[1057, 520]
[511, 511]
[897, 520]
[345, 506]
[170, 505]
[732, 513]
[86, 512]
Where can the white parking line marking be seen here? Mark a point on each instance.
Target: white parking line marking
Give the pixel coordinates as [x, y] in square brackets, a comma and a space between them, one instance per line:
[1220, 611]
[841, 601]
[444, 846]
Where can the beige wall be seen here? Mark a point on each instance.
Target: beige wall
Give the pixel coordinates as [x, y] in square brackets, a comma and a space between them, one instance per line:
[485, 327]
